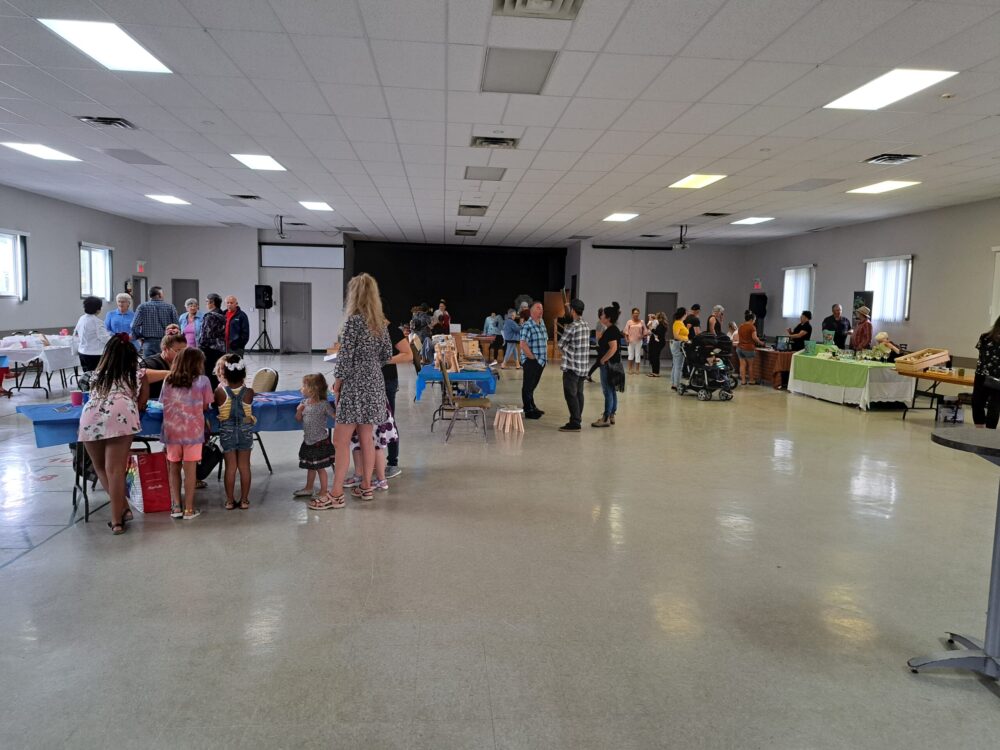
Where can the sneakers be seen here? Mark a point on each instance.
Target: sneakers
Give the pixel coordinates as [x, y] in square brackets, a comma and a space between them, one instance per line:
[533, 414]
[176, 511]
[569, 428]
[353, 481]
[381, 486]
[602, 422]
[392, 471]
[190, 516]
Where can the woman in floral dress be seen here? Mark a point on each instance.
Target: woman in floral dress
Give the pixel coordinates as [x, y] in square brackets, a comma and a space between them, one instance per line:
[358, 388]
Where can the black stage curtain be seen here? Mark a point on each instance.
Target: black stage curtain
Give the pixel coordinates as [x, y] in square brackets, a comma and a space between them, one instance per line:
[473, 280]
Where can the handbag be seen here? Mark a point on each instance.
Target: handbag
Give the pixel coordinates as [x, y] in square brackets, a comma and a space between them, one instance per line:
[991, 382]
[147, 482]
[211, 457]
[616, 376]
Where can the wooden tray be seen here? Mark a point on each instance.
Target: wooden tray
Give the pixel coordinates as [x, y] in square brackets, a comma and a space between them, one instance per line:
[920, 360]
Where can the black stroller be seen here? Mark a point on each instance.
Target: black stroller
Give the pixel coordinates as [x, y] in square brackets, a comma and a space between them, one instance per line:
[707, 359]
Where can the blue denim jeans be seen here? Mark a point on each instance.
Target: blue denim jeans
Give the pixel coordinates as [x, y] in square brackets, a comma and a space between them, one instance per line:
[610, 394]
[150, 347]
[677, 354]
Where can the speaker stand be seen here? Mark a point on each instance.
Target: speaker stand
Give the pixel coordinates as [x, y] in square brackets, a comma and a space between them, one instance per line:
[263, 341]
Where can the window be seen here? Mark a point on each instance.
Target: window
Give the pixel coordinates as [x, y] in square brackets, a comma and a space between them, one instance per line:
[13, 265]
[889, 279]
[798, 294]
[95, 271]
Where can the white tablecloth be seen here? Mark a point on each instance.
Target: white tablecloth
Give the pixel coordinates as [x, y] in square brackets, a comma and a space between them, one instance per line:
[53, 358]
[884, 385]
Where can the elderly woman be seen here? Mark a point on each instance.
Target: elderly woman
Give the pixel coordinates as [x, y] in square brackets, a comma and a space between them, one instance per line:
[120, 320]
[862, 336]
[190, 322]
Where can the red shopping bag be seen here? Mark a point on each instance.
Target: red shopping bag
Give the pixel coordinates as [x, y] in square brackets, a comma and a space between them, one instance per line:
[148, 483]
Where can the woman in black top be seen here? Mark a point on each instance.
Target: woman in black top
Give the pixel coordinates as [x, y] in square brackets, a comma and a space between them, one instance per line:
[659, 330]
[608, 353]
[799, 335]
[986, 400]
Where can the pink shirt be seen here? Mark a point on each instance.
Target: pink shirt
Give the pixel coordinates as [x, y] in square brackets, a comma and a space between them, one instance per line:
[189, 329]
[635, 331]
[184, 412]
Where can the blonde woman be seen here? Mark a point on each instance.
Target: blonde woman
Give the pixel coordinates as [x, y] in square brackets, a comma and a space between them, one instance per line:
[359, 388]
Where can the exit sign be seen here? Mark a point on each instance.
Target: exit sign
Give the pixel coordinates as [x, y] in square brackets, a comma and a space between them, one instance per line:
[756, 284]
[140, 266]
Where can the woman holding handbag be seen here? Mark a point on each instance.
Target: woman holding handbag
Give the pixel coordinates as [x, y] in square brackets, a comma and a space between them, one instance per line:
[609, 358]
[986, 386]
[658, 332]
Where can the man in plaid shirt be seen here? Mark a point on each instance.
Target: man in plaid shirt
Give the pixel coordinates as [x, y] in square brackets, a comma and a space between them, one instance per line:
[151, 320]
[575, 346]
[534, 355]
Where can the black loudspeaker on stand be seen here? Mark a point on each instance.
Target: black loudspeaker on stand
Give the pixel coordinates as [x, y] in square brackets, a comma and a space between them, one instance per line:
[263, 297]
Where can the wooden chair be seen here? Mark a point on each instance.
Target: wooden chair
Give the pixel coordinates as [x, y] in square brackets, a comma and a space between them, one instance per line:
[460, 408]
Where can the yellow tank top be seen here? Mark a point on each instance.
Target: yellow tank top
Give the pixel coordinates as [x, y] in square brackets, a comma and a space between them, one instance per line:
[226, 410]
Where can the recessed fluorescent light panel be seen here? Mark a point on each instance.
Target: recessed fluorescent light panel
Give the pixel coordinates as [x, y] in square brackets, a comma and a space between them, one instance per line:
[697, 181]
[884, 187]
[258, 161]
[316, 205]
[42, 152]
[172, 200]
[491, 174]
[753, 220]
[895, 85]
[620, 217]
[108, 44]
[516, 71]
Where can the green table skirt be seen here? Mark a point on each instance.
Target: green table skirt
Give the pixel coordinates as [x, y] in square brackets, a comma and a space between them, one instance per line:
[848, 374]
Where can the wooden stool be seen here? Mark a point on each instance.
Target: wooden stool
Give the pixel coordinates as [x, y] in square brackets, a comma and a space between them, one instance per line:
[509, 419]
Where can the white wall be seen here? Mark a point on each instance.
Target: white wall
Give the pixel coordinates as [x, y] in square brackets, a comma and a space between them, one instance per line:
[56, 229]
[327, 301]
[953, 266]
[706, 274]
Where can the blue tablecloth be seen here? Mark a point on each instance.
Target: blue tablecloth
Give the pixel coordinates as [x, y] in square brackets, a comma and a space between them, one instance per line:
[57, 424]
[486, 381]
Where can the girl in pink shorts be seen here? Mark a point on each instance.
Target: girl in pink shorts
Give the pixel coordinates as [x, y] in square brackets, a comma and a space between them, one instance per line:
[186, 394]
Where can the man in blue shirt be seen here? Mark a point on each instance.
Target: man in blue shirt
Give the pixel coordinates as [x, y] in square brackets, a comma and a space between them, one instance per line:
[151, 320]
[534, 356]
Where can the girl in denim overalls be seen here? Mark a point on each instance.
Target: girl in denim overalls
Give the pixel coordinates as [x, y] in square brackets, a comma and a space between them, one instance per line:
[235, 422]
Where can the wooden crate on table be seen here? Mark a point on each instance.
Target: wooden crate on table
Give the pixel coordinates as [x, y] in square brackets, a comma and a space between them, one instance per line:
[920, 360]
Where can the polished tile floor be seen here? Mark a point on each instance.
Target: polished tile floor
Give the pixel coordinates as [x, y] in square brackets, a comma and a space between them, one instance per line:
[703, 575]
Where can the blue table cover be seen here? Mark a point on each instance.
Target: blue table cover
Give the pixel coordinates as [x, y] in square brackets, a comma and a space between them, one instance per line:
[57, 424]
[486, 381]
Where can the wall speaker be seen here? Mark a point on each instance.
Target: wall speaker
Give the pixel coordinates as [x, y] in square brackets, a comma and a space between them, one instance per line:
[263, 297]
[758, 304]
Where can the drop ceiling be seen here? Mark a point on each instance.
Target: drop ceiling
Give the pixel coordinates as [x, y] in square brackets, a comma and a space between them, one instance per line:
[371, 106]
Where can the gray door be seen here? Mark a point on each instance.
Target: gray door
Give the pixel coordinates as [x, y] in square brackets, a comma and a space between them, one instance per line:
[140, 287]
[181, 290]
[294, 304]
[662, 302]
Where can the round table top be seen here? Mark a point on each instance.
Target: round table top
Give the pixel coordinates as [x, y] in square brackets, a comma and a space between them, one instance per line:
[976, 440]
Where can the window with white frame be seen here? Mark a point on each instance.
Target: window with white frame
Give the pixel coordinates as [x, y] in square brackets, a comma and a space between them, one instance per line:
[889, 279]
[95, 271]
[13, 265]
[798, 293]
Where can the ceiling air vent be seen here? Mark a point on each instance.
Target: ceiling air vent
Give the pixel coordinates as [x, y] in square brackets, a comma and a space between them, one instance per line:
[650, 236]
[347, 229]
[560, 10]
[466, 232]
[714, 214]
[295, 224]
[580, 237]
[482, 141]
[107, 122]
[246, 197]
[891, 159]
[469, 209]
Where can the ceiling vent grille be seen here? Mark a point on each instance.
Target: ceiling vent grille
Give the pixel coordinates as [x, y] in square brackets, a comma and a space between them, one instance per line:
[714, 214]
[891, 159]
[482, 141]
[580, 236]
[466, 232]
[560, 10]
[246, 197]
[295, 224]
[469, 209]
[650, 236]
[107, 122]
[347, 229]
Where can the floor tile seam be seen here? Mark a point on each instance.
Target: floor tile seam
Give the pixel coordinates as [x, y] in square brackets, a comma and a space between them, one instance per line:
[36, 546]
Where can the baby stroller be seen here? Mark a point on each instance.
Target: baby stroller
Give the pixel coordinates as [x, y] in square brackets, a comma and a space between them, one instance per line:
[708, 357]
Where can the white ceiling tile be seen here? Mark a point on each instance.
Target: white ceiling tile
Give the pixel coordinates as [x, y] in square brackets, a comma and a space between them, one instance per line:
[244, 15]
[660, 27]
[517, 159]
[619, 142]
[742, 29]
[419, 132]
[337, 61]
[37, 83]
[278, 146]
[527, 33]
[261, 55]
[28, 39]
[467, 157]
[329, 17]
[168, 91]
[621, 76]
[160, 13]
[320, 127]
[381, 152]
[594, 24]
[259, 123]
[294, 97]
[572, 139]
[817, 122]
[343, 166]
[356, 101]
[705, 117]
[523, 109]
[760, 121]
[425, 170]
[412, 64]
[469, 107]
[468, 22]
[560, 160]
[367, 130]
[568, 72]
[821, 86]
[415, 104]
[688, 79]
[650, 116]
[718, 145]
[756, 81]
[667, 144]
[592, 162]
[830, 27]
[206, 119]
[592, 113]
[419, 22]
[964, 50]
[422, 154]
[229, 91]
[83, 11]
[465, 67]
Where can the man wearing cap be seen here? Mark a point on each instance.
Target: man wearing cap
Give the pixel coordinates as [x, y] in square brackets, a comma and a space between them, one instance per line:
[575, 347]
[692, 321]
[840, 326]
[862, 336]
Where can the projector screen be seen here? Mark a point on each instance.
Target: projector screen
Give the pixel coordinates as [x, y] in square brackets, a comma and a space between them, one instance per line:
[301, 256]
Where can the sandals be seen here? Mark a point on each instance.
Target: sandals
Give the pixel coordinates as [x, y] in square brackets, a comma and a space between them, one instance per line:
[127, 514]
[363, 493]
[326, 502]
[244, 504]
[117, 528]
[176, 511]
[230, 504]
